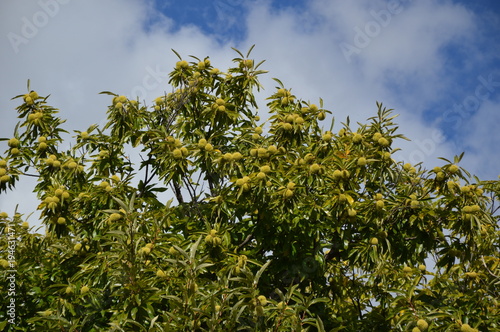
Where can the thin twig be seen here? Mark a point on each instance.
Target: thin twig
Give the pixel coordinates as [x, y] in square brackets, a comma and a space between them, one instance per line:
[247, 239]
[486, 267]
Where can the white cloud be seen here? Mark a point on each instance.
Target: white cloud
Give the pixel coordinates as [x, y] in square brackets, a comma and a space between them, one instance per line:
[482, 141]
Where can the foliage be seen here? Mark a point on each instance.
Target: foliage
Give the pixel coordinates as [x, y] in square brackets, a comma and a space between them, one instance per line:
[274, 226]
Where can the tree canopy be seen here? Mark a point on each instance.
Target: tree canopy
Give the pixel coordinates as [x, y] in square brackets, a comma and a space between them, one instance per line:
[192, 214]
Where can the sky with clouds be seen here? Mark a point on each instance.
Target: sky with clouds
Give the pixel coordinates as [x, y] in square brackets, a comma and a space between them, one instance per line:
[437, 63]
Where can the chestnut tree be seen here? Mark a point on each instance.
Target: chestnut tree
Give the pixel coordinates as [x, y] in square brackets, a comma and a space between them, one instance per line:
[192, 214]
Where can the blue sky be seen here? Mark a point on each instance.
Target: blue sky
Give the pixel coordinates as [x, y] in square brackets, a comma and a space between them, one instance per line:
[437, 63]
[221, 19]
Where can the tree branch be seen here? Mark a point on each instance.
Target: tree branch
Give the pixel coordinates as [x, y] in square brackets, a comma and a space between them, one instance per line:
[247, 239]
[177, 191]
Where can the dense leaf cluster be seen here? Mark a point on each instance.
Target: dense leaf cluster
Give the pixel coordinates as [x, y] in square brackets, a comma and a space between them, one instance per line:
[274, 226]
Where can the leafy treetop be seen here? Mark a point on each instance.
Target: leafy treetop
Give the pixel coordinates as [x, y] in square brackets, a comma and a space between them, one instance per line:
[279, 226]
